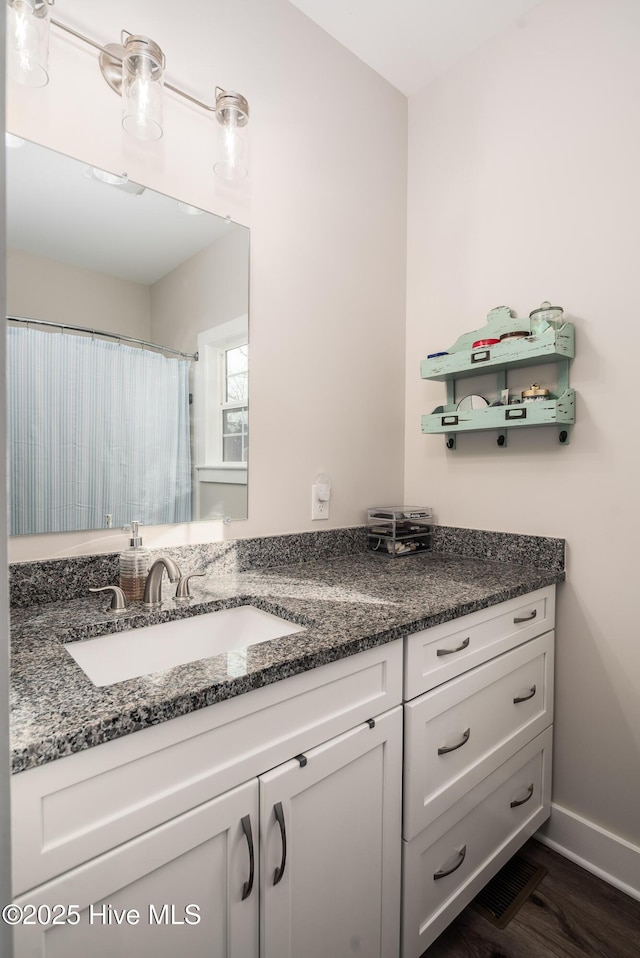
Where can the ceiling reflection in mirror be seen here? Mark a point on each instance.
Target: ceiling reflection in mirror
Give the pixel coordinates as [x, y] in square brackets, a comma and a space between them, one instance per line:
[127, 352]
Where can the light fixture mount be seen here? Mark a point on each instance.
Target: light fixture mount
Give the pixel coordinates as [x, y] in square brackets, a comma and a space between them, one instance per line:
[110, 61]
[112, 55]
[228, 104]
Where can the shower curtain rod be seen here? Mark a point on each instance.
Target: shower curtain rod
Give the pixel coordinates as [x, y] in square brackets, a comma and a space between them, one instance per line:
[102, 332]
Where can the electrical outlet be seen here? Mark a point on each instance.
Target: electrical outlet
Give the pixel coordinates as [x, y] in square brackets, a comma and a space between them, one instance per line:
[320, 495]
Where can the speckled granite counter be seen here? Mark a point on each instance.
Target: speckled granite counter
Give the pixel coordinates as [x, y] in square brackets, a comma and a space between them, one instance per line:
[346, 604]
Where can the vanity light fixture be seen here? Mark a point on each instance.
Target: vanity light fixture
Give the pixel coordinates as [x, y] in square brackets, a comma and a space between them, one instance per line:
[118, 180]
[13, 142]
[188, 209]
[111, 179]
[28, 41]
[133, 68]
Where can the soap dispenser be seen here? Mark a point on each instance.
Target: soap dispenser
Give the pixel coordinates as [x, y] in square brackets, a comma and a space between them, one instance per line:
[134, 564]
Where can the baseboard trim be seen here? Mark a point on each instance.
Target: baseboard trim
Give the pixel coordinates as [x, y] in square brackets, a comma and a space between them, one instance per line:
[597, 850]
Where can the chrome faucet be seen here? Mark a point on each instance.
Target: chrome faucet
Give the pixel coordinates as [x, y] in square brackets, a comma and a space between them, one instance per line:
[153, 586]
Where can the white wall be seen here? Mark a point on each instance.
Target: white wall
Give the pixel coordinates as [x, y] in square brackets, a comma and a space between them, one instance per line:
[210, 288]
[524, 186]
[42, 288]
[325, 201]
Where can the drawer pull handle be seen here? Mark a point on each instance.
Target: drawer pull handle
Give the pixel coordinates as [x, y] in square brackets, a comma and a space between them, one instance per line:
[451, 651]
[523, 800]
[246, 828]
[525, 618]
[279, 872]
[451, 748]
[525, 698]
[443, 874]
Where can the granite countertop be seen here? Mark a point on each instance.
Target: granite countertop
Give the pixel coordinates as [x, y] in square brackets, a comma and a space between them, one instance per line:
[345, 604]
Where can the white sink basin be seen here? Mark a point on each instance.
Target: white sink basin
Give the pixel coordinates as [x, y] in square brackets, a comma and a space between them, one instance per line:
[151, 648]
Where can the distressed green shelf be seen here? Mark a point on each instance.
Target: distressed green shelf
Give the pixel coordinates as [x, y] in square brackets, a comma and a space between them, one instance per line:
[549, 345]
[559, 411]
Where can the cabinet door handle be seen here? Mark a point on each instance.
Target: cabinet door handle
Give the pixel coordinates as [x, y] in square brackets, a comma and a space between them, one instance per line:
[525, 698]
[451, 748]
[443, 874]
[525, 618]
[279, 872]
[246, 828]
[462, 646]
[523, 800]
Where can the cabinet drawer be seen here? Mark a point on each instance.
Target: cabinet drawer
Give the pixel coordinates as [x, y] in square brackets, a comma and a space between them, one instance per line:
[457, 734]
[446, 865]
[433, 656]
[70, 810]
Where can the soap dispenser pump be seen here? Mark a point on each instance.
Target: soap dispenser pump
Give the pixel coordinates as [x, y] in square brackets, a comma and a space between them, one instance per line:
[134, 564]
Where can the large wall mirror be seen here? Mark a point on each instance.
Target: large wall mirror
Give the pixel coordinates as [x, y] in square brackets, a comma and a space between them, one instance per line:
[127, 351]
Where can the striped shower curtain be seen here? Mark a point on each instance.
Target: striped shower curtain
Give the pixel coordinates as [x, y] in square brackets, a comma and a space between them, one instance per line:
[96, 429]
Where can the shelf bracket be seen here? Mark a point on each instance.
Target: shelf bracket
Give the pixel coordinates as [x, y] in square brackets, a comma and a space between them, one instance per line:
[450, 439]
[501, 383]
[451, 392]
[564, 434]
[563, 375]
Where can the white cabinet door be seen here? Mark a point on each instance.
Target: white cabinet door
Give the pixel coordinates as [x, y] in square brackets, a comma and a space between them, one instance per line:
[184, 888]
[330, 843]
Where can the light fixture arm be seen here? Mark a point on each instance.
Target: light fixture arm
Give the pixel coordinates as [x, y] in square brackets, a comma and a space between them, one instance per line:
[111, 57]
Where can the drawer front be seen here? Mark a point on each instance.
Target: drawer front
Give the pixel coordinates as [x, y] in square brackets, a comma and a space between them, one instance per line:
[68, 811]
[457, 734]
[435, 655]
[450, 861]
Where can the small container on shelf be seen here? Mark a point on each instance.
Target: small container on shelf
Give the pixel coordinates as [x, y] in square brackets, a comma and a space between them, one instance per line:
[399, 530]
[536, 393]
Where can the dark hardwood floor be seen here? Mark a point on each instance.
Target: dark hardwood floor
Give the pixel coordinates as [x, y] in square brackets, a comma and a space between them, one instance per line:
[571, 914]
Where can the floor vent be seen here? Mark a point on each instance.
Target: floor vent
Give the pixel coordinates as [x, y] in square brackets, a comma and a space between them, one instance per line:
[501, 898]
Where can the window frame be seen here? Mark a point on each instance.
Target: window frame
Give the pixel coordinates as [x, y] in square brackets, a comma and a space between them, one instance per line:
[210, 403]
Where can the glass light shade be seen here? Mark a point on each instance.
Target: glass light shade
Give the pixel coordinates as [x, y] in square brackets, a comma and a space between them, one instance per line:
[142, 88]
[111, 179]
[231, 149]
[188, 209]
[28, 42]
[232, 112]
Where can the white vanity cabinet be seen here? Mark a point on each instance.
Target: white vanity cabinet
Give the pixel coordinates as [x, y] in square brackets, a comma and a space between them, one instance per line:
[177, 889]
[477, 755]
[141, 823]
[288, 819]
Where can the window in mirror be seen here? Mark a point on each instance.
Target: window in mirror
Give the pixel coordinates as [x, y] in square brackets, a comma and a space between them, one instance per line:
[222, 423]
[235, 418]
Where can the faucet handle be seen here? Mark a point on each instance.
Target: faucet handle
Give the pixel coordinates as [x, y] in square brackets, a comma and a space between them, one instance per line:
[118, 598]
[182, 592]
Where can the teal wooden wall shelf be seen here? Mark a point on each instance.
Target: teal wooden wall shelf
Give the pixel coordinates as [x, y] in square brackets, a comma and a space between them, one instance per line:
[547, 344]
